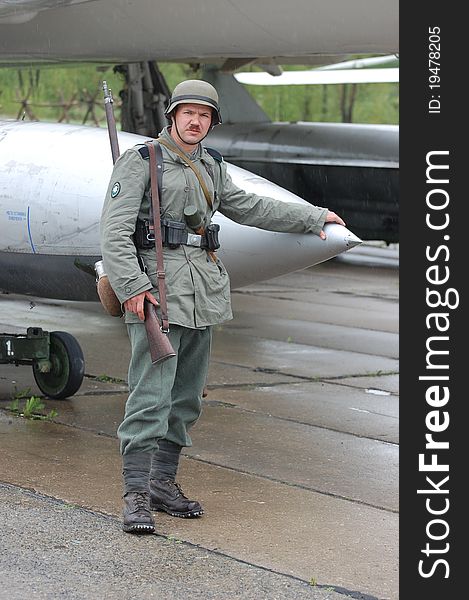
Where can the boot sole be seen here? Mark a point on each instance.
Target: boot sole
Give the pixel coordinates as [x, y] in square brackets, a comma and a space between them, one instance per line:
[186, 515]
[139, 529]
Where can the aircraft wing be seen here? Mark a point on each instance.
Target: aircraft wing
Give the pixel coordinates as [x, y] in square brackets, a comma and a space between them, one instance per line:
[375, 69]
[119, 31]
[317, 76]
[373, 62]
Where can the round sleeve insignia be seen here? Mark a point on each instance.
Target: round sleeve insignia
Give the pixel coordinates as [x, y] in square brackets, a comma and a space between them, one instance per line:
[116, 188]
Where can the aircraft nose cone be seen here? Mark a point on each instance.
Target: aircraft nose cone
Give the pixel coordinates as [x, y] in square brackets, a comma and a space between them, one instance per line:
[351, 240]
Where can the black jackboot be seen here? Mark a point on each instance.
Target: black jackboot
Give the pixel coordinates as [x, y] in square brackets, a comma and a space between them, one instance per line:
[136, 513]
[165, 493]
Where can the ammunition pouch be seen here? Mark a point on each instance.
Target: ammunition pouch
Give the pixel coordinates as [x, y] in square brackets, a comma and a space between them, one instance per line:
[144, 236]
[211, 235]
[174, 233]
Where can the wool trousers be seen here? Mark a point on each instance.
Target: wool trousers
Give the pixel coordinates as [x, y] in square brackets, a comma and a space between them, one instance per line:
[165, 399]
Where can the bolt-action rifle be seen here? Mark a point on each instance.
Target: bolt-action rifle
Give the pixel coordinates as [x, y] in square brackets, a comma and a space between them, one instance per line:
[158, 341]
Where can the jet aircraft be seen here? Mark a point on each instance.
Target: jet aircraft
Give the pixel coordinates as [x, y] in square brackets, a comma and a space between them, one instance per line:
[53, 176]
[53, 179]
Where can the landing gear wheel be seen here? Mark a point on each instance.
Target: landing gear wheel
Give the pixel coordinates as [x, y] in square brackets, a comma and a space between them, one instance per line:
[68, 367]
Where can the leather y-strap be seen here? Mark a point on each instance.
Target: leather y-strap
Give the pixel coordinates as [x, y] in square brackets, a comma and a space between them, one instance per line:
[155, 201]
[190, 164]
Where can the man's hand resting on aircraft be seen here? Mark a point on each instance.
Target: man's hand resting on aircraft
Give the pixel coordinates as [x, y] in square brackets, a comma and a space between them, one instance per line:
[330, 218]
[136, 304]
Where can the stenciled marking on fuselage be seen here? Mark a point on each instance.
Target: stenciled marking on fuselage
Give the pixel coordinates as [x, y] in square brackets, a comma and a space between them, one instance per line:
[29, 231]
[16, 215]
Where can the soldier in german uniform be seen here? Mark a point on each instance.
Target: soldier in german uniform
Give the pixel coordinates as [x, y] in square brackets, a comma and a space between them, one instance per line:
[165, 399]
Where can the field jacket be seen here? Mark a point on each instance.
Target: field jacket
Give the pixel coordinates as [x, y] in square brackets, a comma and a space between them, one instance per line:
[198, 289]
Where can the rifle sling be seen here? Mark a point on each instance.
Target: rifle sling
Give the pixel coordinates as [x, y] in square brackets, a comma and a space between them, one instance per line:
[190, 164]
[155, 200]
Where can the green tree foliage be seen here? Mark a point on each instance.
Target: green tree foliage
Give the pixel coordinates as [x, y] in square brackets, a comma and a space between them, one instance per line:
[74, 94]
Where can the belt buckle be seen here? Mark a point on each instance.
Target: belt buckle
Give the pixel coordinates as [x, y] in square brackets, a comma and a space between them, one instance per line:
[194, 240]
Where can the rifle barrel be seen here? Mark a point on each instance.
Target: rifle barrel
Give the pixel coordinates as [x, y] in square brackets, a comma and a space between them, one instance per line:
[111, 122]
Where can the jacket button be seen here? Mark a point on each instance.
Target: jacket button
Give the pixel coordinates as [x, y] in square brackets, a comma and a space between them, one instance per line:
[128, 290]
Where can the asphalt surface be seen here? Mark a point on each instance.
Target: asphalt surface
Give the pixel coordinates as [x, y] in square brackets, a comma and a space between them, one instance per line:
[51, 549]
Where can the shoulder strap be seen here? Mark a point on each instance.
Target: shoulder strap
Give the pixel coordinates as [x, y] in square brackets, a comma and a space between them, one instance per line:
[155, 200]
[189, 163]
[145, 154]
[214, 154]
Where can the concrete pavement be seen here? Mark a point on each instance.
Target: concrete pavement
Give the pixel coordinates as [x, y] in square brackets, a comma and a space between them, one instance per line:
[295, 457]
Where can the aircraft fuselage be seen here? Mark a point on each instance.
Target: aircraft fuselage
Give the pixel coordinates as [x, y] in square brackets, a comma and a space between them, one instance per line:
[352, 169]
[53, 179]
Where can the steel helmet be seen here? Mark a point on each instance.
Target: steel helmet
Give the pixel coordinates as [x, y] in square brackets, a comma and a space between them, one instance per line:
[195, 91]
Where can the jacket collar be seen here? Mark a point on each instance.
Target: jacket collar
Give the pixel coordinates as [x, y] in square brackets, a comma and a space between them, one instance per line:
[201, 153]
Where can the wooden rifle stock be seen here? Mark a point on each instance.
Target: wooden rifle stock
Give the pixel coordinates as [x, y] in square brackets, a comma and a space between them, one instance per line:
[160, 346]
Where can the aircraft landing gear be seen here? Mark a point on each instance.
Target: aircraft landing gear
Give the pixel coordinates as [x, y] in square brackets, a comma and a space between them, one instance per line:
[56, 358]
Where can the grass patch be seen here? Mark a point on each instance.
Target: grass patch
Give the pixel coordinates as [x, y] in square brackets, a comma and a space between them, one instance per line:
[31, 409]
[108, 379]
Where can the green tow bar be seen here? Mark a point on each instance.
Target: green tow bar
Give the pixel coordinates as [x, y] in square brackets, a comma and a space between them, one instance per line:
[56, 358]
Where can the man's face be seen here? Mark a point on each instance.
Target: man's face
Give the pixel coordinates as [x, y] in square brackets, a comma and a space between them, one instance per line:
[193, 122]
